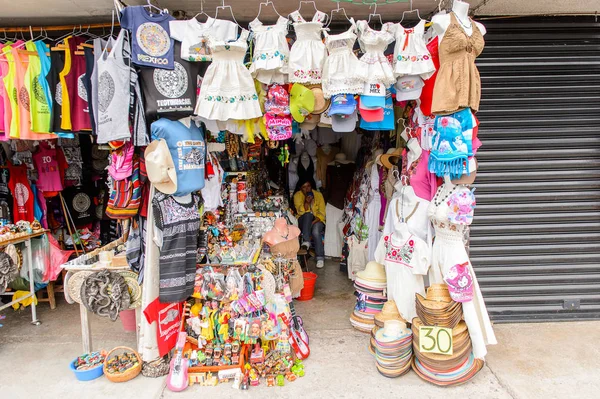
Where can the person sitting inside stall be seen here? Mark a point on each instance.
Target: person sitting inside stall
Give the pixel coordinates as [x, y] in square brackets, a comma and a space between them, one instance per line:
[310, 207]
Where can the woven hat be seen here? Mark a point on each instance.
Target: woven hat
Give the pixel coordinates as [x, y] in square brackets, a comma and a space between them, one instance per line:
[374, 272]
[392, 330]
[75, 282]
[389, 312]
[463, 373]
[160, 166]
[321, 104]
[135, 290]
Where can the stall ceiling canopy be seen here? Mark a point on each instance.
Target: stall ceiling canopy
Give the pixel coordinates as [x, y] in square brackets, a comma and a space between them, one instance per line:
[55, 12]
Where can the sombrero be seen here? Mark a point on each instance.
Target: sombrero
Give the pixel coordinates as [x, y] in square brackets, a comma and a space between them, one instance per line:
[373, 273]
[389, 312]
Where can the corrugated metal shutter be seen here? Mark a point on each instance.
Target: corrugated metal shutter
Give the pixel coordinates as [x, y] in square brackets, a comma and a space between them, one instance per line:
[535, 243]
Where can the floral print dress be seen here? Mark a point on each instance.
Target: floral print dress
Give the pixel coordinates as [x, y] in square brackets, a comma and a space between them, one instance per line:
[271, 52]
[228, 91]
[308, 53]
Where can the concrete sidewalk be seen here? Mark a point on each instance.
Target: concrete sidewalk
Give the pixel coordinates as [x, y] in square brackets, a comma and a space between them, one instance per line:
[552, 360]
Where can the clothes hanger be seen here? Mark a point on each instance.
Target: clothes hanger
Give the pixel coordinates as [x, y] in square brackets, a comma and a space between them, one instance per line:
[314, 6]
[222, 7]
[266, 4]
[410, 11]
[374, 14]
[202, 11]
[153, 7]
[337, 10]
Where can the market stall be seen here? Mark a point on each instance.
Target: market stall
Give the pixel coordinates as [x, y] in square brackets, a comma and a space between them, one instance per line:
[188, 163]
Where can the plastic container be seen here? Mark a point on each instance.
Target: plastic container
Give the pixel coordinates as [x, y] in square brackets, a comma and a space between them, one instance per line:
[307, 293]
[128, 319]
[87, 375]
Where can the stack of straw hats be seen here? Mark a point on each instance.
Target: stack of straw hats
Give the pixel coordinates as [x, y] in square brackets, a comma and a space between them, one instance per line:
[389, 312]
[370, 285]
[393, 348]
[438, 309]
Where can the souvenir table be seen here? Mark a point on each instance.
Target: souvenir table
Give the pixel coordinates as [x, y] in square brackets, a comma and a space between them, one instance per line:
[90, 263]
[26, 241]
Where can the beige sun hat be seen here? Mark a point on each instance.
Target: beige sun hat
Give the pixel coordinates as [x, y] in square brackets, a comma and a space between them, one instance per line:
[373, 272]
[160, 166]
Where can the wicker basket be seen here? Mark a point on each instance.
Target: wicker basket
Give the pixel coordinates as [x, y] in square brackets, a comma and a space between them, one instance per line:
[128, 374]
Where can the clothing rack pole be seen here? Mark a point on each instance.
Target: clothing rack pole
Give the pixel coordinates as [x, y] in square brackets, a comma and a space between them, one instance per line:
[57, 27]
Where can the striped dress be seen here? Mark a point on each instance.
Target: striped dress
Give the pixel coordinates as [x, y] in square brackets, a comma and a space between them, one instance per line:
[179, 223]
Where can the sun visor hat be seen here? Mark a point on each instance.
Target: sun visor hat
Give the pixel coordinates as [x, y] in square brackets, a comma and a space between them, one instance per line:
[302, 102]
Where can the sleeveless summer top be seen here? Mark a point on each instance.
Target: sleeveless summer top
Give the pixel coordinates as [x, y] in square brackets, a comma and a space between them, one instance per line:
[458, 84]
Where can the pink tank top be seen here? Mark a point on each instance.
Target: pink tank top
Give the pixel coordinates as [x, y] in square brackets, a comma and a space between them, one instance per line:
[80, 119]
[3, 72]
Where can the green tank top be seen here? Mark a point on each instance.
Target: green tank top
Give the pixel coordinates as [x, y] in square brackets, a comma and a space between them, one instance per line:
[39, 110]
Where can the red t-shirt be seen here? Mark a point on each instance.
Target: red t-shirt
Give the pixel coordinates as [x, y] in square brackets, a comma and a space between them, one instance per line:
[427, 92]
[168, 320]
[22, 194]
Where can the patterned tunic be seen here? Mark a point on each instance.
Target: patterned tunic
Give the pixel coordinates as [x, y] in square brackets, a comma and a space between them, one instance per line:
[179, 223]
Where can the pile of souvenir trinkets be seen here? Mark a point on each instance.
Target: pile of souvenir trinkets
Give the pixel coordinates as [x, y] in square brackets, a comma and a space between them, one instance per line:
[89, 360]
[237, 324]
[20, 229]
[122, 363]
[226, 243]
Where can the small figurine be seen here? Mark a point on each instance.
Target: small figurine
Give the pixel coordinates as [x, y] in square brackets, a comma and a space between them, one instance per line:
[290, 376]
[257, 355]
[280, 380]
[194, 359]
[254, 378]
[270, 380]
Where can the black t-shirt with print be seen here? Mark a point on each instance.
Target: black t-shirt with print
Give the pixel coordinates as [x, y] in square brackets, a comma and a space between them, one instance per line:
[170, 93]
[80, 202]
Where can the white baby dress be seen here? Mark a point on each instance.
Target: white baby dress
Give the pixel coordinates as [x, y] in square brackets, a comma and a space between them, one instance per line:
[271, 52]
[308, 53]
[227, 91]
[450, 218]
[406, 260]
[343, 73]
[373, 44]
[411, 56]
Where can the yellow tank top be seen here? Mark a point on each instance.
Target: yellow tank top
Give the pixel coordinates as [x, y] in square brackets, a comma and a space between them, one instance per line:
[65, 122]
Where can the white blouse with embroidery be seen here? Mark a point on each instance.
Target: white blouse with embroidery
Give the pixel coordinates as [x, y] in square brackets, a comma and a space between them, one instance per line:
[271, 52]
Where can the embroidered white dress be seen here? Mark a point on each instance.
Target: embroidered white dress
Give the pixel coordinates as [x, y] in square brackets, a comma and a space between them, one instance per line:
[411, 56]
[373, 44]
[271, 52]
[406, 260]
[343, 73]
[372, 214]
[308, 53]
[448, 251]
[227, 91]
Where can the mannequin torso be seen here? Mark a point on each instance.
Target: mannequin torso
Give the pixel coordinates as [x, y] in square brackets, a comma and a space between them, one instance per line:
[461, 12]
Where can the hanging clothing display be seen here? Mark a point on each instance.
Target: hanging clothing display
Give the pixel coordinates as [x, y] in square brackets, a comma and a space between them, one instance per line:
[373, 44]
[411, 56]
[21, 192]
[227, 90]
[39, 108]
[152, 43]
[170, 93]
[458, 84]
[343, 73]
[193, 36]
[188, 150]
[308, 53]
[406, 260]
[451, 211]
[74, 96]
[113, 93]
[178, 223]
[271, 52]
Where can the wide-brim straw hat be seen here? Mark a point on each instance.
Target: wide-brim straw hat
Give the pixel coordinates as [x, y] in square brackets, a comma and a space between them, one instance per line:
[463, 374]
[439, 292]
[389, 312]
[374, 272]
